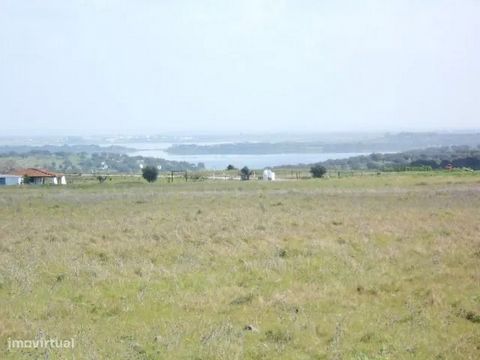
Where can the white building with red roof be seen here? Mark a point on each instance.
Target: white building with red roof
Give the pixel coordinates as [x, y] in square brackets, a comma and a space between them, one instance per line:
[40, 176]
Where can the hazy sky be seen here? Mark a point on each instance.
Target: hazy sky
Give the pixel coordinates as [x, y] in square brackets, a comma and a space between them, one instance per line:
[87, 66]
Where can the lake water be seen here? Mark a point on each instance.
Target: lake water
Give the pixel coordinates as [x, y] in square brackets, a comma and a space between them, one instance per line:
[219, 162]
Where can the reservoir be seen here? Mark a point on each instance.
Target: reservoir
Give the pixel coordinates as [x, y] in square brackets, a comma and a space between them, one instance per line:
[221, 161]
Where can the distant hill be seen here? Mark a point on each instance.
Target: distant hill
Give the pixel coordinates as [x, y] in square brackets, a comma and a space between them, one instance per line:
[430, 158]
[89, 149]
[384, 143]
[104, 162]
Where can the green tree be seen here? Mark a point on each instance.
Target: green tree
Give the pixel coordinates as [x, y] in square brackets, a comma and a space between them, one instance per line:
[318, 171]
[245, 173]
[150, 173]
[230, 167]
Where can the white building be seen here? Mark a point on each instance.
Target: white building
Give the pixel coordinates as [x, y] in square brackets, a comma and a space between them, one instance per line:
[268, 175]
[10, 180]
[60, 179]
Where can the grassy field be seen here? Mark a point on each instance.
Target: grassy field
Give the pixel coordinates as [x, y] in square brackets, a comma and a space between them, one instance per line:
[365, 267]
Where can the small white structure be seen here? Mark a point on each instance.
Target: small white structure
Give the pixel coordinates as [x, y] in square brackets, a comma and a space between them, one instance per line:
[268, 175]
[61, 179]
[10, 180]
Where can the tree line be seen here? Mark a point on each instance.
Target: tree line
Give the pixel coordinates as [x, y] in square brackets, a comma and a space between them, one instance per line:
[426, 159]
[84, 162]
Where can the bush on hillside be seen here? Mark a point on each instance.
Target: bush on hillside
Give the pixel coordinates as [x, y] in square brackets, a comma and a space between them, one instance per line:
[245, 173]
[150, 173]
[318, 171]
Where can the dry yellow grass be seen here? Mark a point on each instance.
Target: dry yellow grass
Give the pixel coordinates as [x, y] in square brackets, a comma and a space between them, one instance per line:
[366, 268]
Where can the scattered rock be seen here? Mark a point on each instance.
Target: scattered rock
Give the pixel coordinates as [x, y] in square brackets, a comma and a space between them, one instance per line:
[250, 328]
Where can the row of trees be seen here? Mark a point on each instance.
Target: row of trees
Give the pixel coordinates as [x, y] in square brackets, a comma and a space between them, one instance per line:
[84, 162]
[316, 170]
[433, 158]
[424, 159]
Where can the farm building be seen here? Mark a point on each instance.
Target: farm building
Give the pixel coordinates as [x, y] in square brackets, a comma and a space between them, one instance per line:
[41, 176]
[10, 180]
[268, 175]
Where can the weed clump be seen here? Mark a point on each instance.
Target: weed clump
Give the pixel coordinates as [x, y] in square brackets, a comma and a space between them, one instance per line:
[278, 336]
[469, 315]
[472, 317]
[282, 253]
[242, 300]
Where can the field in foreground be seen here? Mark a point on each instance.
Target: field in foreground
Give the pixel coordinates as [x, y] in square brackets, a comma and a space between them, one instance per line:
[378, 267]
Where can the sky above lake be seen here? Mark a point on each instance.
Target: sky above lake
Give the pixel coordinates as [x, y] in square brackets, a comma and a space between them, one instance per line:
[115, 66]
